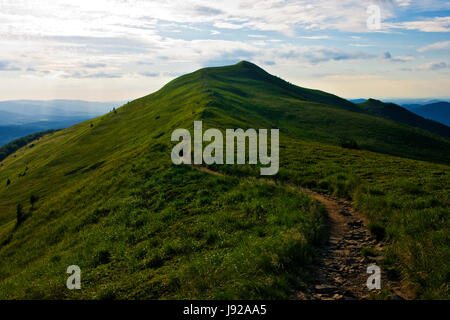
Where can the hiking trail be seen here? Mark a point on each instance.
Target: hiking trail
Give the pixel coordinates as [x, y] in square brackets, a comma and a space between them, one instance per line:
[341, 270]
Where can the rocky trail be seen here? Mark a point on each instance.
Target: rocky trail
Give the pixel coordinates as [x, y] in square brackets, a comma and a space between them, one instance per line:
[341, 270]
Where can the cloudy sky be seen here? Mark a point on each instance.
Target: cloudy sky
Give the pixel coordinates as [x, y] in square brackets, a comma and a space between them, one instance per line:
[106, 50]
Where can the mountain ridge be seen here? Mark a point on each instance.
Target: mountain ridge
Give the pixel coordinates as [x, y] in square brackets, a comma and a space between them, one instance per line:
[399, 114]
[111, 201]
[438, 111]
[244, 95]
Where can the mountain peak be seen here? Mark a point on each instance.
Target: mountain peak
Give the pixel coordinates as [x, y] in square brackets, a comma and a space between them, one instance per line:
[244, 71]
[372, 100]
[249, 66]
[246, 64]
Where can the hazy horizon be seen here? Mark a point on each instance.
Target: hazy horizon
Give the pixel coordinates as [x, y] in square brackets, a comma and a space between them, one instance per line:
[124, 101]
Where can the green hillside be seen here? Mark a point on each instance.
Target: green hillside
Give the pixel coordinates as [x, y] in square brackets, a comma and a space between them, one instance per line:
[16, 144]
[110, 200]
[394, 112]
[244, 95]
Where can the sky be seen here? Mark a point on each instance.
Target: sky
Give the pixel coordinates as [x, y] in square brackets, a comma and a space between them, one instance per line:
[119, 50]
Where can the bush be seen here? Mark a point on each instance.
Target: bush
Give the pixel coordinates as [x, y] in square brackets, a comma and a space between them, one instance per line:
[102, 257]
[368, 252]
[348, 143]
[33, 200]
[377, 230]
[20, 216]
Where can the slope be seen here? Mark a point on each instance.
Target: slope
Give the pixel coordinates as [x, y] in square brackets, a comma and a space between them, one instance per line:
[439, 111]
[253, 98]
[110, 200]
[8, 133]
[396, 113]
[15, 145]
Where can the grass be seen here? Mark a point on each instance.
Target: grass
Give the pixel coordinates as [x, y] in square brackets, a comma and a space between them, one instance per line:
[15, 145]
[169, 239]
[110, 201]
[405, 200]
[368, 252]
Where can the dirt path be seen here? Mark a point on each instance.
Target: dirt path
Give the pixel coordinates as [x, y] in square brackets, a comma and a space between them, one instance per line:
[341, 271]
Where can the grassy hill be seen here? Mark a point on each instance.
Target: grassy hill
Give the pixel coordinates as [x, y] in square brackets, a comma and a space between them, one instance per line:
[110, 200]
[394, 112]
[15, 145]
[438, 111]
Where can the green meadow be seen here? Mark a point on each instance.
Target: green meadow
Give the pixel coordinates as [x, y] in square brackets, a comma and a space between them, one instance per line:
[104, 195]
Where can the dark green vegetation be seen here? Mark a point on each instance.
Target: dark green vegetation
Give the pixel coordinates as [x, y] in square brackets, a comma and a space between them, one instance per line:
[107, 198]
[394, 112]
[15, 145]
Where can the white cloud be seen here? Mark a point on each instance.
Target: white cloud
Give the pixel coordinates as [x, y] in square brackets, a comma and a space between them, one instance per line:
[438, 24]
[434, 66]
[315, 37]
[226, 25]
[430, 66]
[388, 57]
[435, 46]
[7, 66]
[84, 40]
[141, 19]
[318, 54]
[360, 45]
[403, 3]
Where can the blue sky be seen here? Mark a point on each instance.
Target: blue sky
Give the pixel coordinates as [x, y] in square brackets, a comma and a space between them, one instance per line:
[109, 50]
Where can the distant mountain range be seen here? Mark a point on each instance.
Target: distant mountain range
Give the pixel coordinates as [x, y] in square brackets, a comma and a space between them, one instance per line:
[399, 114]
[22, 117]
[432, 109]
[439, 111]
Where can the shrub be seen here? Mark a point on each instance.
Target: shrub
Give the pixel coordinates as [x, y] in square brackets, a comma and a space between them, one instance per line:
[368, 252]
[212, 237]
[33, 200]
[348, 143]
[102, 257]
[20, 216]
[154, 261]
[377, 230]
